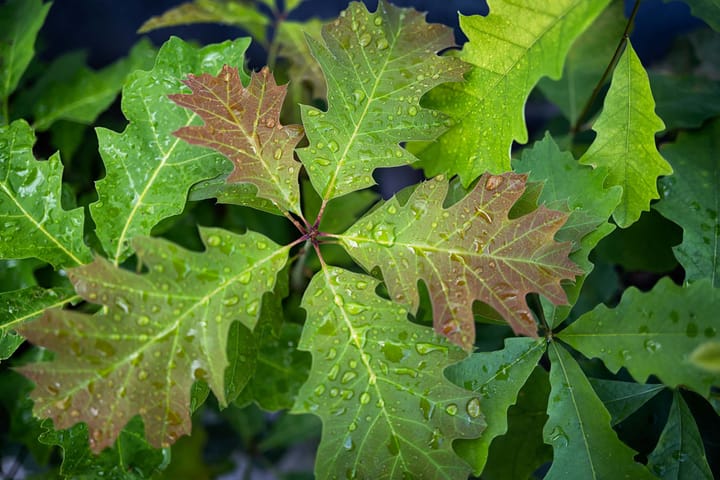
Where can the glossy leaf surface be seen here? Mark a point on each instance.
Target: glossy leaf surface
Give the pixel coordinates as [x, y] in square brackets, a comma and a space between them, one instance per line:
[625, 142]
[377, 66]
[691, 198]
[161, 331]
[244, 125]
[377, 383]
[466, 252]
[148, 170]
[509, 50]
[622, 399]
[584, 444]
[497, 377]
[652, 333]
[34, 223]
[679, 454]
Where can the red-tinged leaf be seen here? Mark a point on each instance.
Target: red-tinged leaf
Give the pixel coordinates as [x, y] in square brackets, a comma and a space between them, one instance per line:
[158, 333]
[244, 125]
[466, 252]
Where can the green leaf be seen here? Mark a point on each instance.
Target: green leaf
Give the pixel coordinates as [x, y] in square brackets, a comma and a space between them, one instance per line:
[244, 194]
[497, 377]
[584, 444]
[20, 306]
[377, 66]
[625, 141]
[70, 91]
[466, 252]
[34, 224]
[652, 333]
[149, 172]
[622, 399]
[706, 10]
[130, 458]
[240, 13]
[685, 101]
[707, 356]
[509, 50]
[291, 38]
[159, 332]
[585, 63]
[20, 21]
[521, 451]
[244, 125]
[691, 198]
[341, 212]
[377, 384]
[679, 454]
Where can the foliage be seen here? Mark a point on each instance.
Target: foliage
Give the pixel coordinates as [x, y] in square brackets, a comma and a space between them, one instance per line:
[486, 321]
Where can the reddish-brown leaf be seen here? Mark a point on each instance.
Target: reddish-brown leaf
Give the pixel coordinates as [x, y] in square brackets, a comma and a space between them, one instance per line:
[466, 252]
[244, 125]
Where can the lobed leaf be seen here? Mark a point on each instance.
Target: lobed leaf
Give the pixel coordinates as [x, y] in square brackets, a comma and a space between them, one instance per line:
[148, 171]
[584, 444]
[158, 333]
[497, 377]
[377, 66]
[622, 399]
[244, 125]
[20, 21]
[679, 454]
[509, 50]
[652, 333]
[377, 383]
[468, 251]
[34, 224]
[625, 142]
[697, 186]
[291, 38]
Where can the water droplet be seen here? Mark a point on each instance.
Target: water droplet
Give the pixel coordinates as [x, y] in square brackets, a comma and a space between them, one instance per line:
[451, 409]
[378, 21]
[261, 245]
[142, 375]
[143, 320]
[339, 301]
[213, 241]
[426, 348]
[473, 407]
[355, 308]
[426, 408]
[352, 427]
[252, 307]
[393, 446]
[365, 39]
[384, 234]
[333, 146]
[361, 285]
[333, 373]
[365, 398]
[104, 347]
[319, 390]
[436, 439]
[312, 112]
[406, 371]
[230, 301]
[348, 443]
[278, 154]
[382, 44]
[691, 330]
[412, 111]
[710, 332]
[558, 435]
[652, 346]
[245, 277]
[348, 377]
[493, 182]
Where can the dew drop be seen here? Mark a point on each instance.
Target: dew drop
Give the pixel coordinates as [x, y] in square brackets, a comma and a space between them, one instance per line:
[333, 146]
[142, 375]
[365, 398]
[313, 113]
[261, 245]
[493, 182]
[230, 301]
[322, 161]
[378, 21]
[355, 308]
[451, 409]
[384, 234]
[426, 348]
[348, 377]
[348, 443]
[143, 320]
[252, 307]
[393, 446]
[436, 439]
[365, 39]
[473, 407]
[361, 285]
[278, 154]
[333, 373]
[426, 408]
[382, 44]
[213, 241]
[652, 346]
[319, 390]
[412, 111]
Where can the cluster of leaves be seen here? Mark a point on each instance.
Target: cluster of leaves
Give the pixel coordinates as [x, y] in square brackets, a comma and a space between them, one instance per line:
[409, 326]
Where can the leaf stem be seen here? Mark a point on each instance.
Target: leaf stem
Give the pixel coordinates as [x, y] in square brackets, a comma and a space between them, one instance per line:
[611, 66]
[297, 276]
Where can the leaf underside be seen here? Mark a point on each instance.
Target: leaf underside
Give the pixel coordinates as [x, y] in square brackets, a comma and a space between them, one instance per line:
[377, 384]
[160, 332]
[466, 252]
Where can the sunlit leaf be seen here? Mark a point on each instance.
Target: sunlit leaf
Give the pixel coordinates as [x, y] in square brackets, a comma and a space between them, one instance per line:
[584, 444]
[622, 399]
[34, 224]
[691, 198]
[377, 66]
[159, 333]
[377, 384]
[625, 142]
[707, 356]
[652, 333]
[497, 377]
[509, 50]
[244, 125]
[466, 252]
[679, 454]
[148, 170]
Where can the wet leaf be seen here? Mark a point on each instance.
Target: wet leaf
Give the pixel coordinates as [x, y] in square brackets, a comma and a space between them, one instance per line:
[20, 21]
[652, 333]
[584, 444]
[679, 454]
[160, 332]
[691, 198]
[497, 377]
[622, 399]
[148, 170]
[244, 125]
[20, 306]
[468, 251]
[34, 224]
[509, 50]
[377, 66]
[625, 141]
[377, 384]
